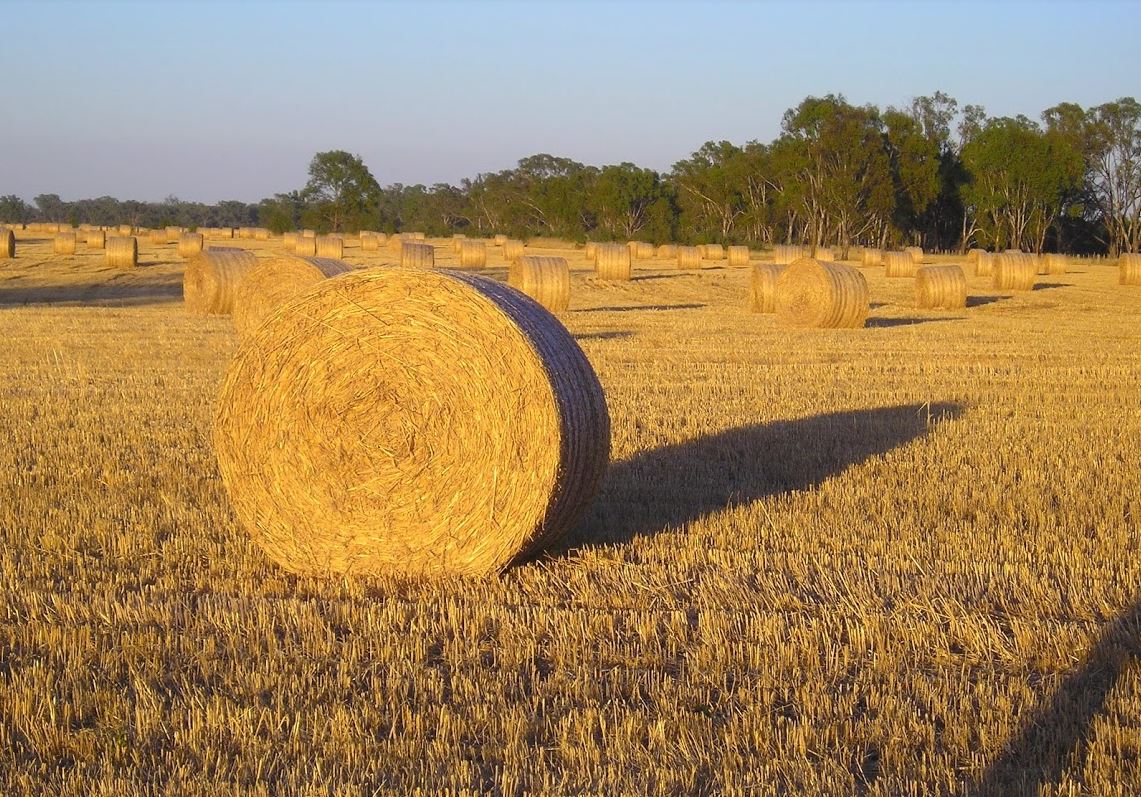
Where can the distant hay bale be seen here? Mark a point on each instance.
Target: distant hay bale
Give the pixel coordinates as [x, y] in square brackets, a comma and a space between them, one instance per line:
[172, 234]
[457, 240]
[591, 250]
[513, 250]
[916, 253]
[261, 234]
[122, 251]
[417, 255]
[396, 241]
[1012, 251]
[418, 236]
[613, 262]
[973, 255]
[499, 239]
[871, 257]
[157, 237]
[763, 287]
[640, 250]
[225, 233]
[810, 293]
[308, 233]
[783, 254]
[984, 264]
[712, 252]
[305, 246]
[211, 280]
[330, 246]
[1054, 264]
[1129, 269]
[189, 244]
[898, 264]
[668, 251]
[544, 279]
[1015, 272]
[738, 256]
[483, 438]
[96, 239]
[371, 242]
[64, 243]
[473, 254]
[688, 257]
[289, 241]
[825, 254]
[274, 281]
[940, 287]
[7, 244]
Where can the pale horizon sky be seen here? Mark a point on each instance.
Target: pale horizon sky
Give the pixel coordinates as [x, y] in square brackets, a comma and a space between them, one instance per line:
[210, 101]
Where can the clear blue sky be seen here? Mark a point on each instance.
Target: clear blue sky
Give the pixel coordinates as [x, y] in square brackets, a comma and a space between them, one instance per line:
[210, 101]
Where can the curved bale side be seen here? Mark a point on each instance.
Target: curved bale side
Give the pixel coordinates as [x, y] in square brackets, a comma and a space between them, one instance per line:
[738, 256]
[513, 250]
[763, 287]
[1129, 269]
[916, 253]
[122, 251]
[544, 279]
[1015, 272]
[712, 252]
[973, 255]
[289, 241]
[640, 250]
[457, 239]
[668, 251]
[417, 255]
[810, 293]
[211, 280]
[261, 234]
[372, 242]
[125, 230]
[984, 264]
[413, 423]
[613, 262]
[590, 251]
[305, 246]
[190, 244]
[688, 257]
[940, 287]
[871, 257]
[898, 264]
[473, 254]
[64, 243]
[7, 244]
[330, 247]
[1053, 264]
[273, 282]
[96, 239]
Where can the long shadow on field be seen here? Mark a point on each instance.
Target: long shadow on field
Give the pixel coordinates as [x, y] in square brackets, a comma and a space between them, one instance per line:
[669, 487]
[1053, 740]
[979, 301]
[1046, 286]
[632, 308]
[908, 322]
[103, 294]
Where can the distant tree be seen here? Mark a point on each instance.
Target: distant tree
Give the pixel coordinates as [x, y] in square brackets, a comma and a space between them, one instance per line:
[341, 193]
[13, 209]
[50, 207]
[711, 191]
[1115, 171]
[627, 201]
[282, 212]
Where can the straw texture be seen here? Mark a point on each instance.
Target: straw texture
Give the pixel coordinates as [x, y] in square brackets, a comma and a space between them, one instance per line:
[640, 250]
[274, 281]
[738, 256]
[305, 246]
[825, 254]
[1129, 269]
[916, 253]
[64, 243]
[157, 237]
[871, 257]
[810, 293]
[1015, 272]
[1053, 264]
[211, 280]
[416, 255]
[189, 244]
[688, 257]
[763, 288]
[122, 251]
[473, 254]
[96, 239]
[372, 241]
[783, 254]
[7, 244]
[712, 252]
[984, 263]
[942, 287]
[667, 251]
[500, 239]
[613, 262]
[591, 250]
[457, 240]
[330, 246]
[898, 264]
[973, 255]
[513, 250]
[544, 279]
[125, 230]
[406, 422]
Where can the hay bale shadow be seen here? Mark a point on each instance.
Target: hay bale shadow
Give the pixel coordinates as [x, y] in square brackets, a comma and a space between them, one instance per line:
[908, 321]
[1046, 286]
[979, 301]
[633, 308]
[612, 335]
[104, 294]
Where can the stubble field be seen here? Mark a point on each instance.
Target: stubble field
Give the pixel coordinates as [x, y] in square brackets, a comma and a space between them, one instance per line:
[890, 561]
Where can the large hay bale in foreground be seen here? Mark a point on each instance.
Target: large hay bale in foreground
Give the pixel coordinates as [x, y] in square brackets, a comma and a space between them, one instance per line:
[1015, 272]
[513, 250]
[984, 263]
[274, 281]
[96, 239]
[415, 255]
[613, 262]
[211, 280]
[916, 253]
[943, 287]
[404, 422]
[763, 287]
[64, 243]
[473, 254]
[1053, 264]
[667, 251]
[898, 264]
[688, 257]
[544, 279]
[305, 246]
[810, 293]
[330, 246]
[122, 251]
[7, 244]
[738, 256]
[1129, 269]
[189, 244]
[871, 257]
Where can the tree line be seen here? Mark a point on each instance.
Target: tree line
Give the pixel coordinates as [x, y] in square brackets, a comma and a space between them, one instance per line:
[929, 174]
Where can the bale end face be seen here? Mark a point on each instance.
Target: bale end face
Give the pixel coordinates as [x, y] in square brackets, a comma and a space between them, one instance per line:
[544, 279]
[810, 293]
[940, 287]
[211, 279]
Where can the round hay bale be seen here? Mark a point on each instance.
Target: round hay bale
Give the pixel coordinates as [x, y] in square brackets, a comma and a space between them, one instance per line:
[1015, 272]
[64, 243]
[261, 234]
[211, 280]
[783, 254]
[591, 250]
[640, 250]
[613, 262]
[405, 422]
[940, 287]
[916, 253]
[871, 257]
[825, 254]
[371, 242]
[157, 237]
[738, 256]
[810, 293]
[500, 239]
[712, 252]
[513, 250]
[668, 251]
[274, 281]
[289, 241]
[96, 239]
[984, 264]
[416, 255]
[544, 279]
[308, 233]
[763, 287]
[418, 236]
[171, 234]
[330, 246]
[305, 246]
[122, 251]
[1054, 264]
[189, 244]
[457, 241]
[396, 241]
[898, 264]
[473, 254]
[688, 257]
[973, 255]
[1129, 269]
[7, 244]
[225, 233]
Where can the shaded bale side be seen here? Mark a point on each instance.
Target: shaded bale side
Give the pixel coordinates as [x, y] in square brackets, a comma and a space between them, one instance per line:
[372, 242]
[274, 281]
[783, 254]
[64, 243]
[211, 280]
[688, 257]
[763, 287]
[973, 255]
[544, 279]
[457, 241]
[411, 423]
[811, 293]
[189, 244]
[122, 251]
[417, 255]
[1015, 272]
[613, 262]
[473, 254]
[640, 250]
[940, 287]
[898, 264]
[289, 241]
[738, 256]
